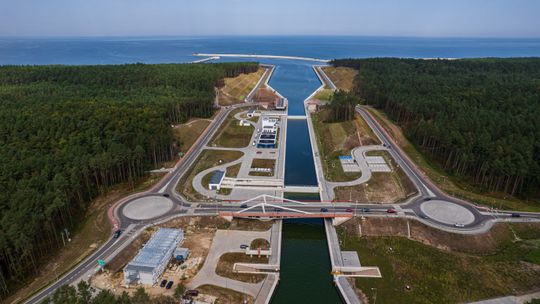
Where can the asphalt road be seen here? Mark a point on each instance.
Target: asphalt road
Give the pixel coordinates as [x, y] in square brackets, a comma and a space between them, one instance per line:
[166, 187]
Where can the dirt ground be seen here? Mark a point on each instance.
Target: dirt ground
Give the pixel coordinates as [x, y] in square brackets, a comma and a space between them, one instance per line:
[265, 95]
[342, 77]
[434, 264]
[478, 244]
[383, 187]
[237, 88]
[225, 296]
[198, 235]
[251, 225]
[186, 134]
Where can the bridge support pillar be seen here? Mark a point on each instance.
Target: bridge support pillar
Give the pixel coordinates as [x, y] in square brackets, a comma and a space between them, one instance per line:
[336, 221]
[226, 217]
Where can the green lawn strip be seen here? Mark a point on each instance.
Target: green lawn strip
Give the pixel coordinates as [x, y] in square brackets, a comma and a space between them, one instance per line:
[432, 273]
[331, 140]
[207, 159]
[231, 134]
[453, 185]
[399, 176]
[226, 262]
[324, 94]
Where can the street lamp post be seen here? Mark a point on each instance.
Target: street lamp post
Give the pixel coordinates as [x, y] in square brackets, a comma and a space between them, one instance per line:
[374, 289]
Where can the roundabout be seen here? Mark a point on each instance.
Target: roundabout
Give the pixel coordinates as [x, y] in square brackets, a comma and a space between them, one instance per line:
[147, 207]
[447, 213]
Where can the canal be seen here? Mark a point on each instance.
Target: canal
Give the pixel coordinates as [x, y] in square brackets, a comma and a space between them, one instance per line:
[305, 265]
[305, 262]
[296, 81]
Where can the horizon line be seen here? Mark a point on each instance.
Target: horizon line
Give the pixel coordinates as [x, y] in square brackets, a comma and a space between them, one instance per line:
[258, 35]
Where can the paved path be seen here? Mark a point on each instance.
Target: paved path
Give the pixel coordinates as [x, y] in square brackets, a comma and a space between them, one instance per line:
[250, 153]
[521, 299]
[227, 241]
[359, 155]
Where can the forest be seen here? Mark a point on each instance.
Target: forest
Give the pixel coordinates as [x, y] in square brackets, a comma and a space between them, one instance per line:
[341, 107]
[83, 294]
[478, 118]
[68, 133]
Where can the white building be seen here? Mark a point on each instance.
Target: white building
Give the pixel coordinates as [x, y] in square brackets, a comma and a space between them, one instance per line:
[244, 123]
[270, 123]
[152, 259]
[216, 180]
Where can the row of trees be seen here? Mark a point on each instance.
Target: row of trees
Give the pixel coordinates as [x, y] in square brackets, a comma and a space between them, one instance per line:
[478, 118]
[67, 133]
[84, 294]
[341, 106]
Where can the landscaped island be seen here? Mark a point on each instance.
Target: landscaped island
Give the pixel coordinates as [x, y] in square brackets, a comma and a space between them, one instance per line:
[68, 133]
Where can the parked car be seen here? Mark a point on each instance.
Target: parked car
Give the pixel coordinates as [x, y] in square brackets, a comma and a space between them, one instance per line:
[117, 233]
[324, 209]
[348, 210]
[243, 206]
[244, 246]
[163, 283]
[459, 225]
[192, 292]
[516, 215]
[169, 285]
[391, 210]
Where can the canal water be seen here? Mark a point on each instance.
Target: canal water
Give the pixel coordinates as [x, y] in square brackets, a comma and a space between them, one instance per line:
[305, 265]
[296, 81]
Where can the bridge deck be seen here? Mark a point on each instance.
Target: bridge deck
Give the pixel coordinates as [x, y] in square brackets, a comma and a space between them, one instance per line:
[285, 214]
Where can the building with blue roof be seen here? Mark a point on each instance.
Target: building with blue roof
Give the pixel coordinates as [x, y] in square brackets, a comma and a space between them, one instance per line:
[216, 180]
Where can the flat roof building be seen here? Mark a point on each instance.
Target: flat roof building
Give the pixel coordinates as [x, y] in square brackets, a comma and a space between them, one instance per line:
[270, 123]
[216, 180]
[281, 104]
[152, 259]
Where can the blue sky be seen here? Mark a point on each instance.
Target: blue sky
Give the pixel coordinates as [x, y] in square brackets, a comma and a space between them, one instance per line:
[432, 18]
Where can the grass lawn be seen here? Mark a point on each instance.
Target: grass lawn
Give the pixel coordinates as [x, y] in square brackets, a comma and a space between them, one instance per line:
[93, 231]
[446, 276]
[236, 89]
[226, 262]
[453, 185]
[251, 225]
[231, 134]
[207, 159]
[342, 77]
[260, 243]
[324, 94]
[232, 171]
[186, 134]
[382, 187]
[225, 296]
[339, 138]
[263, 163]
